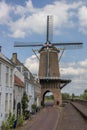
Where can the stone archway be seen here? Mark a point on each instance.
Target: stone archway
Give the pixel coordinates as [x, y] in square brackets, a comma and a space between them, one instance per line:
[56, 94]
[47, 98]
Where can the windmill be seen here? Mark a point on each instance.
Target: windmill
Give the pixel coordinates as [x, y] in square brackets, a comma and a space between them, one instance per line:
[49, 74]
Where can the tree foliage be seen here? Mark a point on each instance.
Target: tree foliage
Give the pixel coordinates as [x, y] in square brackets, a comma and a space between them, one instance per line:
[65, 96]
[25, 101]
[84, 95]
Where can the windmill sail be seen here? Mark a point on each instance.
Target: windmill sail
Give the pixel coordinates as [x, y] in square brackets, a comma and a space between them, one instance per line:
[22, 44]
[49, 28]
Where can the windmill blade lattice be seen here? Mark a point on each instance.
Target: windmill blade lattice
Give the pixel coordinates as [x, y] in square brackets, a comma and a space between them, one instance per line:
[49, 35]
[67, 46]
[22, 44]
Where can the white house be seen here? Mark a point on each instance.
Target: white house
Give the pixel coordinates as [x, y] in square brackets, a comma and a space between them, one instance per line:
[28, 78]
[18, 91]
[13, 83]
[6, 87]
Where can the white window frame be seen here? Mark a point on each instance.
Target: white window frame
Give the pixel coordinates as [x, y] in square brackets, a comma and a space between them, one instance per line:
[7, 76]
[6, 103]
[11, 77]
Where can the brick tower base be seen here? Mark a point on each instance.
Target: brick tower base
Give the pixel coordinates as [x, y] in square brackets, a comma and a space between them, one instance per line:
[51, 87]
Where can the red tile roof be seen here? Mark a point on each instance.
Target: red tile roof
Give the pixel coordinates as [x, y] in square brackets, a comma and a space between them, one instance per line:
[18, 82]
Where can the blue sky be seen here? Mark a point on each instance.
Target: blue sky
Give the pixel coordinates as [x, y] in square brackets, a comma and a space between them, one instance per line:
[25, 20]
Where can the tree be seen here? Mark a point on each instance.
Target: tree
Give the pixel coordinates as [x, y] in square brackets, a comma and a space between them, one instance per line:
[85, 91]
[73, 96]
[84, 95]
[25, 101]
[65, 96]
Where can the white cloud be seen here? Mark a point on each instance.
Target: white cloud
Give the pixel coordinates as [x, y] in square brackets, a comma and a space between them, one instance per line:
[72, 71]
[4, 13]
[82, 16]
[32, 64]
[77, 72]
[27, 19]
[18, 33]
[33, 19]
[83, 63]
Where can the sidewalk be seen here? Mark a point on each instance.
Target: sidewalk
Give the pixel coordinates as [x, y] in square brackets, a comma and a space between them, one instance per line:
[71, 119]
[28, 123]
[81, 108]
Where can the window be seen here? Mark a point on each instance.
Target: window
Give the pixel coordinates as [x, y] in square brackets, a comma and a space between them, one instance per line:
[6, 103]
[0, 102]
[0, 99]
[7, 76]
[10, 105]
[19, 68]
[27, 74]
[0, 72]
[11, 77]
[26, 86]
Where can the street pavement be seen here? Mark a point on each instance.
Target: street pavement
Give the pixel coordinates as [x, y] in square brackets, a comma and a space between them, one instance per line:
[71, 119]
[46, 119]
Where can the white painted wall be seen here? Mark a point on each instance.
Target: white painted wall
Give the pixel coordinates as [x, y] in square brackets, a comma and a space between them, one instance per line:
[19, 74]
[30, 93]
[18, 90]
[5, 89]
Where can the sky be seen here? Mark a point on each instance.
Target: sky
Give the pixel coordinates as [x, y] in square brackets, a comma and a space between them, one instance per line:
[25, 21]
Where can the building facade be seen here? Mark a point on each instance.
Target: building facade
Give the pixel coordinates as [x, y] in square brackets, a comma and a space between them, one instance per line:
[6, 87]
[18, 91]
[15, 79]
[32, 87]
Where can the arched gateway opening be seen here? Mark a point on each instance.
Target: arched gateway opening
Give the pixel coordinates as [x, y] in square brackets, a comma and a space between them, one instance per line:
[52, 87]
[48, 98]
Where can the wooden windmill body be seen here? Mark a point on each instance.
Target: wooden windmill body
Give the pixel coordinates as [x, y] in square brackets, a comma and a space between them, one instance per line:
[49, 74]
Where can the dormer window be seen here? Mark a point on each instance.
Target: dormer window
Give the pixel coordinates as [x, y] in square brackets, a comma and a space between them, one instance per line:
[20, 68]
[27, 74]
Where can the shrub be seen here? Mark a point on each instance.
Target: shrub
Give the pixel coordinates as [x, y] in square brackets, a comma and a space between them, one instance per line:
[9, 123]
[27, 115]
[33, 106]
[11, 120]
[5, 126]
[25, 102]
[20, 120]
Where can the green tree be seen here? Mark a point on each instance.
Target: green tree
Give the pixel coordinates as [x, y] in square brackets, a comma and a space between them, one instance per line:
[25, 101]
[84, 95]
[73, 96]
[85, 91]
[65, 96]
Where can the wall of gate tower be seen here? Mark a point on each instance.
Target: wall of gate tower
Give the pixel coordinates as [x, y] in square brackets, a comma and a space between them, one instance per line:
[54, 88]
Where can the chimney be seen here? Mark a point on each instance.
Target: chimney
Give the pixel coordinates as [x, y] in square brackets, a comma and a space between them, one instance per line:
[14, 58]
